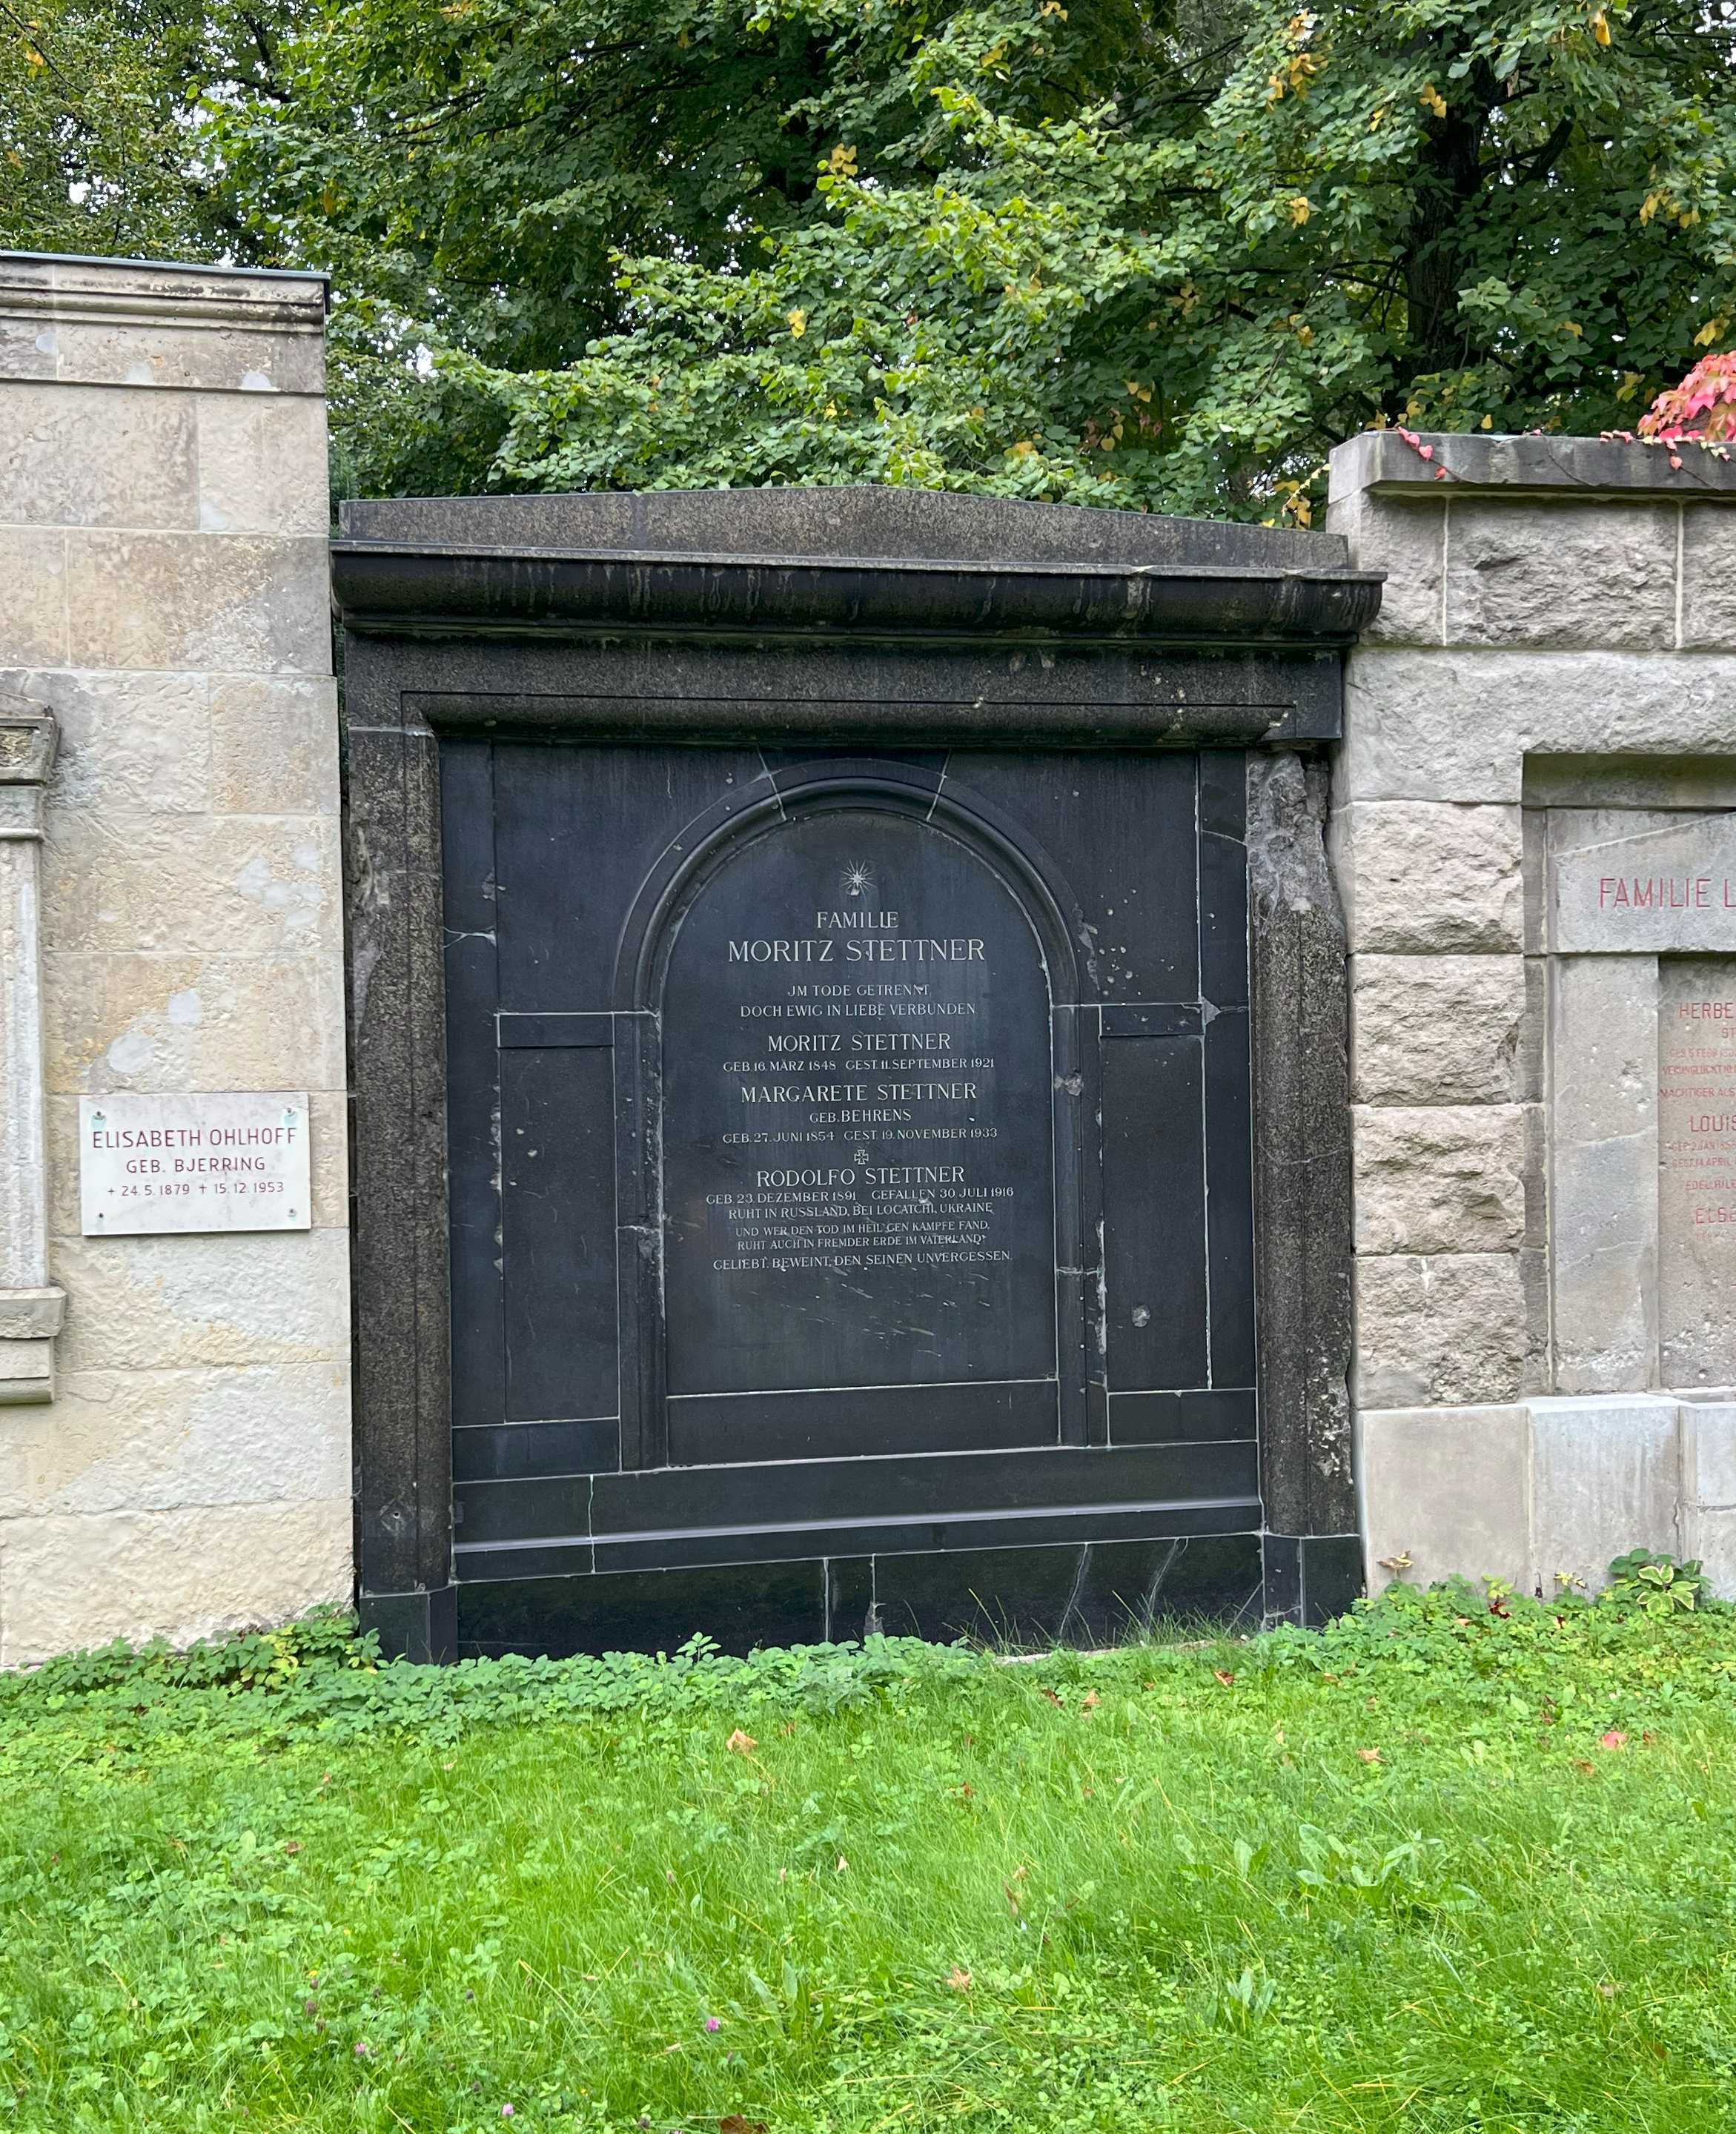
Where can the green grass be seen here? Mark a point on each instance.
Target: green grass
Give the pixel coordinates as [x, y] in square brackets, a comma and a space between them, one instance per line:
[1404, 1875]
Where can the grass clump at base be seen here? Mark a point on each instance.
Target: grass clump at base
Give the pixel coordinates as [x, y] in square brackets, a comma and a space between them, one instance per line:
[1461, 1864]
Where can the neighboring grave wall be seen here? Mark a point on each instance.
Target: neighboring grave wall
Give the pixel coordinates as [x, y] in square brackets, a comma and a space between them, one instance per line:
[1535, 835]
[185, 1468]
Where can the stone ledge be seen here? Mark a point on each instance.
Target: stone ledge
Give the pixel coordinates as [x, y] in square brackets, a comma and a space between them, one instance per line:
[1381, 461]
[31, 1315]
[26, 1372]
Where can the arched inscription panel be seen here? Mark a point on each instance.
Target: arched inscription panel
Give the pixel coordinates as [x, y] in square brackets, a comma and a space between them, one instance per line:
[858, 1174]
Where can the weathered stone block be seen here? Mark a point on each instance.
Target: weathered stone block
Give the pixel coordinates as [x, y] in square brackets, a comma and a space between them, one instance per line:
[240, 886]
[28, 349]
[1711, 1538]
[188, 601]
[89, 456]
[1603, 1171]
[1441, 1179]
[1419, 878]
[1436, 1029]
[146, 1303]
[1457, 725]
[139, 740]
[261, 464]
[33, 624]
[1560, 572]
[1450, 1488]
[67, 1581]
[174, 1440]
[1446, 1332]
[274, 747]
[192, 1023]
[1405, 539]
[1708, 576]
[1708, 1432]
[1605, 1477]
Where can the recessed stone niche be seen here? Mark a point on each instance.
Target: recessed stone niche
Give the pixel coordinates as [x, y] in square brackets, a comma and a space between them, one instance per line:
[1641, 938]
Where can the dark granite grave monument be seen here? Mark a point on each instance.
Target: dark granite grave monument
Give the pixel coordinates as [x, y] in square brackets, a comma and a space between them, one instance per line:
[848, 1015]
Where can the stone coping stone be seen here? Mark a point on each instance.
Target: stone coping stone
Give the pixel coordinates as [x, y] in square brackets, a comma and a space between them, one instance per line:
[1380, 460]
[914, 525]
[49, 280]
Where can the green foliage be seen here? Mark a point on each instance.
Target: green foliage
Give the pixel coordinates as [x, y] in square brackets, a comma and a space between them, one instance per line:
[1148, 258]
[100, 147]
[1129, 251]
[1657, 1584]
[1448, 1868]
[1183, 300]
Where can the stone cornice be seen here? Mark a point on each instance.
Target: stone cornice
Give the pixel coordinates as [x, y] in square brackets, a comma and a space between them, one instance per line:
[426, 588]
[45, 290]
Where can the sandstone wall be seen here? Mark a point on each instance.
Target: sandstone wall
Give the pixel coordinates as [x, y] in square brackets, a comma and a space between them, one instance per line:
[163, 519]
[1553, 665]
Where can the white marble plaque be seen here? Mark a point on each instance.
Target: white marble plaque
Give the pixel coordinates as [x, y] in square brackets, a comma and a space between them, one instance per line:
[213, 1162]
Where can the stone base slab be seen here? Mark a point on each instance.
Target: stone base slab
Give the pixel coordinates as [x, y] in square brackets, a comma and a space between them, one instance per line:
[1544, 1492]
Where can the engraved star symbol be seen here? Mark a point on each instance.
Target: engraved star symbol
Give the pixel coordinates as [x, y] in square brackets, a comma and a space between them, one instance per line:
[858, 880]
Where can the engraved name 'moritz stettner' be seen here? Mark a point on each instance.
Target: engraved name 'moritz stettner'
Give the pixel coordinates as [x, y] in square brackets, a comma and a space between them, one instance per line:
[858, 937]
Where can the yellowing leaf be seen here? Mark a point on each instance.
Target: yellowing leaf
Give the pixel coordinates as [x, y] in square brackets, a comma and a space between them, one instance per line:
[1709, 333]
[1632, 381]
[1569, 327]
[1600, 26]
[1052, 7]
[798, 324]
[1299, 211]
[742, 1744]
[1488, 422]
[1433, 98]
[1018, 451]
[1305, 335]
[841, 163]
